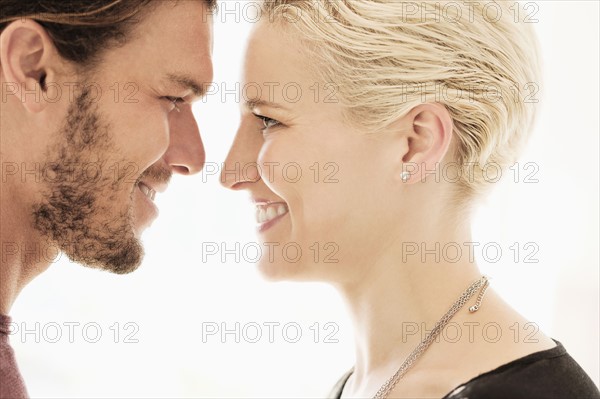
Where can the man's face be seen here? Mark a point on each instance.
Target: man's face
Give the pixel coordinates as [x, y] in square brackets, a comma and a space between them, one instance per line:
[120, 137]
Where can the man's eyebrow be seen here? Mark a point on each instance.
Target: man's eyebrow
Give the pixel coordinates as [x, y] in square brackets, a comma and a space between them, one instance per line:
[188, 82]
[251, 104]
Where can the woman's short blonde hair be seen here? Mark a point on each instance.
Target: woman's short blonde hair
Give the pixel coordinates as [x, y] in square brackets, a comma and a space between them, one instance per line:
[478, 58]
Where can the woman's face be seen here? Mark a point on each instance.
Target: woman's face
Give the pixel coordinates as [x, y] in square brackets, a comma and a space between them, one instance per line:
[324, 191]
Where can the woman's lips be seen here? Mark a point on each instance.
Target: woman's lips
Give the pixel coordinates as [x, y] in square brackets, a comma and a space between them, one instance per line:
[268, 213]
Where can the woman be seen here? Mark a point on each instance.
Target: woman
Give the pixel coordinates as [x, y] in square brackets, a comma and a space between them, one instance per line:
[366, 137]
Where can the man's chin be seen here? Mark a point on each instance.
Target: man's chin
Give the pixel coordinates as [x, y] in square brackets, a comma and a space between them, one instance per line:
[121, 259]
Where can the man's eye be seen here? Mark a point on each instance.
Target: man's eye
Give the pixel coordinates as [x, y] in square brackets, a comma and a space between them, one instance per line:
[267, 122]
[175, 101]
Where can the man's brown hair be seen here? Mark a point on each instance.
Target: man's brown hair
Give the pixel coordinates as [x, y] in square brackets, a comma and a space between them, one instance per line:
[82, 29]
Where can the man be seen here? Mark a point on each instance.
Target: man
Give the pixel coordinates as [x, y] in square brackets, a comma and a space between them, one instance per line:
[95, 118]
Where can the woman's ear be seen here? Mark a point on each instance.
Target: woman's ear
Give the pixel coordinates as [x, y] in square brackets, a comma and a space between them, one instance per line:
[428, 131]
[26, 56]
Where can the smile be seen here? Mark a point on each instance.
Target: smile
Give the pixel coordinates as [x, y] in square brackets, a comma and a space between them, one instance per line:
[267, 212]
[147, 191]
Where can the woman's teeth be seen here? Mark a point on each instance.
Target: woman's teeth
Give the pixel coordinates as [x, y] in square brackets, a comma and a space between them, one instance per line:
[148, 192]
[266, 213]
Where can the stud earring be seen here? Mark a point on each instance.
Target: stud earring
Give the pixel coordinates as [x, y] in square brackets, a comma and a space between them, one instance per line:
[405, 176]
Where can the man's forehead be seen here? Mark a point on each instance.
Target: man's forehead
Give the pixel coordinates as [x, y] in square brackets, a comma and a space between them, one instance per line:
[173, 44]
[186, 25]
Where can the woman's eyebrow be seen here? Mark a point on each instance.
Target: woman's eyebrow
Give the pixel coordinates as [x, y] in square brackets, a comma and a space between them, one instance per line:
[251, 104]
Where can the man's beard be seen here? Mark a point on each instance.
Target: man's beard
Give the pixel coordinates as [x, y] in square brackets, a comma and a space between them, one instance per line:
[82, 210]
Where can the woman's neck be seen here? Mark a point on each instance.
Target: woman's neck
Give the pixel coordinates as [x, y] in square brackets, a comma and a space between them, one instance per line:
[399, 298]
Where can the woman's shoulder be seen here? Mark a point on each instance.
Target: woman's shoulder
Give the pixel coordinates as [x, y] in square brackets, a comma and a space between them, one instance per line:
[550, 373]
[336, 391]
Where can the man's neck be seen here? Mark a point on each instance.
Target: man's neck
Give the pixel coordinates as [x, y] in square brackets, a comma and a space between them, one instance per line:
[23, 254]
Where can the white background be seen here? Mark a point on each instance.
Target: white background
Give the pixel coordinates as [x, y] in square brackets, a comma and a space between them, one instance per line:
[175, 292]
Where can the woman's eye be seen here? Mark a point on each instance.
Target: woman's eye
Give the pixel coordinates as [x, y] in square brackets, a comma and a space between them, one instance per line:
[267, 122]
[175, 101]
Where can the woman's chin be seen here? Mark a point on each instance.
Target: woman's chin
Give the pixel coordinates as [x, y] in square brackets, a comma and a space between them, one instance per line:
[285, 271]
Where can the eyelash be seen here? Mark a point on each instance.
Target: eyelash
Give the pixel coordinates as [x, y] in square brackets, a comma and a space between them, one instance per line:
[265, 120]
[174, 101]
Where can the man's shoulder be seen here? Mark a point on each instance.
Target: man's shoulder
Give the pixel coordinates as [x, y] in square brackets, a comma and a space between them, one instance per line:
[11, 382]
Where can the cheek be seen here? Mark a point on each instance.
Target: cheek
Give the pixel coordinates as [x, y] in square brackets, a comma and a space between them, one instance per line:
[141, 132]
[274, 159]
[308, 175]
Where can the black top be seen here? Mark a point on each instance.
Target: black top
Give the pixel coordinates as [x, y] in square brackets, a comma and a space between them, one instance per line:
[551, 373]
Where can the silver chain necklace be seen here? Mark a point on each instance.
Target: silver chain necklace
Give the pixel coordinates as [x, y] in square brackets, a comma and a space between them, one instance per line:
[387, 387]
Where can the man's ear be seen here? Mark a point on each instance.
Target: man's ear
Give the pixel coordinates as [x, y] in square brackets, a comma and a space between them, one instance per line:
[427, 131]
[26, 53]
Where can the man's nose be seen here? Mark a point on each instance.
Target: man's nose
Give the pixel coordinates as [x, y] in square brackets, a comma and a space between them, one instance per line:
[185, 154]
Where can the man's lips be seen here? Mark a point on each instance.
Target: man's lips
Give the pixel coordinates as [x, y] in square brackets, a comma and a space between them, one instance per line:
[156, 186]
[147, 191]
[154, 179]
[151, 188]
